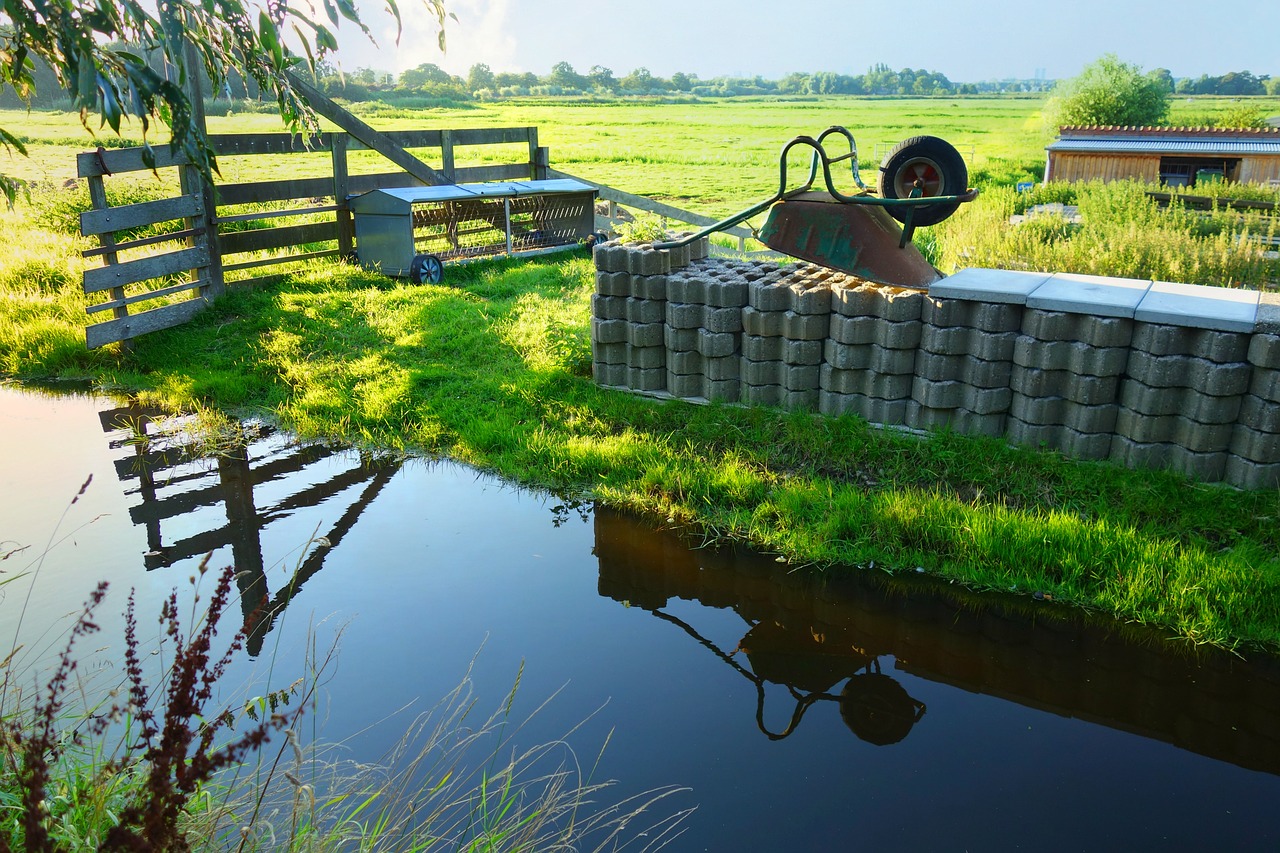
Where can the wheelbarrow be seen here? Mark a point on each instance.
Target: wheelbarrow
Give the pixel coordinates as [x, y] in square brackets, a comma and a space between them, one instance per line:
[922, 182]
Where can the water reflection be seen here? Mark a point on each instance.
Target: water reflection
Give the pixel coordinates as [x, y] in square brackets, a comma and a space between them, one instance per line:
[173, 481]
[809, 631]
[806, 641]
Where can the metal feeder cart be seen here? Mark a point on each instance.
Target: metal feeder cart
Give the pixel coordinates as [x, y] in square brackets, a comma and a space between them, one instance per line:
[412, 231]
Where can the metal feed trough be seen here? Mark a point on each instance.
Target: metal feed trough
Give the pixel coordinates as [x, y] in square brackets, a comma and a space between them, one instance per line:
[412, 231]
[922, 182]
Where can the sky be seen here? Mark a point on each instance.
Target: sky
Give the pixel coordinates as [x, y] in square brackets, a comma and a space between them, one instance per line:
[967, 40]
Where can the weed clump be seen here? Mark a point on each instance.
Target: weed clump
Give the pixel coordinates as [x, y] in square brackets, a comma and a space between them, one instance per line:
[169, 748]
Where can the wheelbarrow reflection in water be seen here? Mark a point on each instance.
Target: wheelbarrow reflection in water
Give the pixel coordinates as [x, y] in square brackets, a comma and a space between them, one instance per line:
[874, 706]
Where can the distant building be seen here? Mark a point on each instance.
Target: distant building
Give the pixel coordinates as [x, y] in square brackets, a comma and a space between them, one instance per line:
[1174, 156]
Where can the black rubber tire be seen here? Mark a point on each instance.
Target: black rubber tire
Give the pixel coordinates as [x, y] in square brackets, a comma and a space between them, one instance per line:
[599, 237]
[936, 164]
[426, 269]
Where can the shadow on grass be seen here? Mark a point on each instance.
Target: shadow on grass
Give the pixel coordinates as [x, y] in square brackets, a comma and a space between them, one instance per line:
[488, 370]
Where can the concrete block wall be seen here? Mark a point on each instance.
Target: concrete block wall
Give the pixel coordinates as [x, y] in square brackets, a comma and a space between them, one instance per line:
[1143, 374]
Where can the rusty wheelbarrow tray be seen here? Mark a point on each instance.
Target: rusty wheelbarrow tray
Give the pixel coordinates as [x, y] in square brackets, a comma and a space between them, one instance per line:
[922, 182]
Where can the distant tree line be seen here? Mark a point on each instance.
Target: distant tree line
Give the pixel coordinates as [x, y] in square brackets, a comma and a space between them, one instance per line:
[1231, 83]
[430, 82]
[482, 83]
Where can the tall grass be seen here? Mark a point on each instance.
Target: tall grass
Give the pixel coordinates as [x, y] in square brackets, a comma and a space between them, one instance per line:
[1123, 232]
[169, 768]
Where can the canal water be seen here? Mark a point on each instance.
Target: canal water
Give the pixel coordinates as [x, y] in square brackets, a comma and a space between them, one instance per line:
[842, 711]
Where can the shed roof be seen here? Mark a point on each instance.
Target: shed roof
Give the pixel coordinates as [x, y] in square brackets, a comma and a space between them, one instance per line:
[1204, 141]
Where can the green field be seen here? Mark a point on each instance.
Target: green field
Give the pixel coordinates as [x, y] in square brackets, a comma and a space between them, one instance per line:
[715, 157]
[495, 370]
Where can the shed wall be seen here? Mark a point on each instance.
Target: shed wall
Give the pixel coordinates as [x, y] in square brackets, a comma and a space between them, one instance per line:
[1259, 169]
[1072, 166]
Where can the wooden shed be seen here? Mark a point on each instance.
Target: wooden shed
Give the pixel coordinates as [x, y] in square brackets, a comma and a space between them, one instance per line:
[1174, 156]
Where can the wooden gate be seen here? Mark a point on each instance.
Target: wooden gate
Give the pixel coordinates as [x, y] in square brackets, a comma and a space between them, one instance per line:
[164, 260]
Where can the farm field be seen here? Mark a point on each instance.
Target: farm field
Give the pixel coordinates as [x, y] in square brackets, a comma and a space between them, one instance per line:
[712, 157]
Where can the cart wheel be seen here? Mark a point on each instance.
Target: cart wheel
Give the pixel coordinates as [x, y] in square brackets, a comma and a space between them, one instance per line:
[932, 163]
[599, 237]
[426, 269]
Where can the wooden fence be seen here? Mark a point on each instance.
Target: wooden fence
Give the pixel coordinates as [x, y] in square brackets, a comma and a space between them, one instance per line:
[205, 234]
[209, 232]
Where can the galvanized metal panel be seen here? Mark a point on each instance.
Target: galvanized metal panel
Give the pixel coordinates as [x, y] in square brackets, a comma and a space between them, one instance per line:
[385, 242]
[552, 185]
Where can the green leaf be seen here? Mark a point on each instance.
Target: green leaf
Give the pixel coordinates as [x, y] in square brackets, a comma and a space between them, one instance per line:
[331, 11]
[11, 141]
[110, 104]
[86, 83]
[306, 47]
[394, 11]
[325, 39]
[270, 38]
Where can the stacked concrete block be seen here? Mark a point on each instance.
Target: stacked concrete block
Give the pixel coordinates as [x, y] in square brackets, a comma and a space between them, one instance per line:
[1186, 378]
[1180, 399]
[784, 326]
[609, 328]
[629, 311]
[1069, 360]
[1147, 375]
[1066, 376]
[965, 362]
[704, 330]
[869, 356]
[962, 368]
[1253, 461]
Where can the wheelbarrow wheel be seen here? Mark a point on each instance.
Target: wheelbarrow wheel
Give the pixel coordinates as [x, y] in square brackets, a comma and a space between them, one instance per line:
[931, 163]
[426, 269]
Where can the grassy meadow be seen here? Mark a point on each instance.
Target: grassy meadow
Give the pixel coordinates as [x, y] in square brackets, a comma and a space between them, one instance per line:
[494, 370]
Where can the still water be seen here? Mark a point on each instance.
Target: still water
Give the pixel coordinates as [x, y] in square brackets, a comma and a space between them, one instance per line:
[801, 712]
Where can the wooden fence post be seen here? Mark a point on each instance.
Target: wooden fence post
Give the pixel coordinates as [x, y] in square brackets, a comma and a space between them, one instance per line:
[107, 240]
[341, 189]
[193, 183]
[533, 154]
[446, 156]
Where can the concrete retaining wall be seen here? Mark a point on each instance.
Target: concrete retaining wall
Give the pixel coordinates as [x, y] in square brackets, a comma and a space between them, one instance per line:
[1144, 374]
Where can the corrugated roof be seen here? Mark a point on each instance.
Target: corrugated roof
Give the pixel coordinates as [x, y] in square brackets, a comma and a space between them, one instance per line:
[1073, 131]
[1169, 145]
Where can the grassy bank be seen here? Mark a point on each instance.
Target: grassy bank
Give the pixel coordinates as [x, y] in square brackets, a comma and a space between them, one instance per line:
[494, 370]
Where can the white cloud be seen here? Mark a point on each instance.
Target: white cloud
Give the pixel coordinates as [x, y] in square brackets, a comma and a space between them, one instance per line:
[481, 33]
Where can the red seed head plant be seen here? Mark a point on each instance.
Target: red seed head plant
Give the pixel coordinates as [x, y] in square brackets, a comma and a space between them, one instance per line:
[173, 748]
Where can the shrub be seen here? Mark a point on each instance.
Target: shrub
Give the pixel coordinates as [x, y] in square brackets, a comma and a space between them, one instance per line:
[1109, 92]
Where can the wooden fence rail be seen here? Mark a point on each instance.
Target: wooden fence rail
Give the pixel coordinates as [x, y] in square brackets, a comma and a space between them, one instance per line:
[291, 220]
[288, 219]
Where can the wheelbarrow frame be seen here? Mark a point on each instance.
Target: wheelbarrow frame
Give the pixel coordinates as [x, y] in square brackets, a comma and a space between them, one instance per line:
[906, 206]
